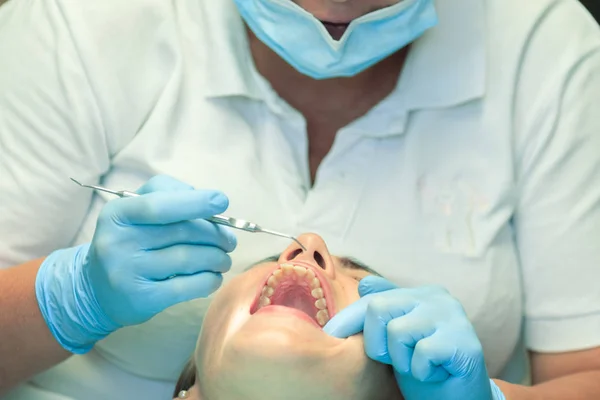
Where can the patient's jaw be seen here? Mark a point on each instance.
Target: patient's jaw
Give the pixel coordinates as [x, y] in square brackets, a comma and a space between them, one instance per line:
[262, 336]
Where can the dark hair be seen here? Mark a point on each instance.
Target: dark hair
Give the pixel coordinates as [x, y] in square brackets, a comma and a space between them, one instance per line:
[593, 7]
[187, 379]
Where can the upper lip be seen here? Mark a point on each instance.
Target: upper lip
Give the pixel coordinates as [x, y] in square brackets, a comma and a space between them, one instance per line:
[325, 285]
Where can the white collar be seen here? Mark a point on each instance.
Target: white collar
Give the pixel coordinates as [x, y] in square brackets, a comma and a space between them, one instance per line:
[447, 65]
[229, 68]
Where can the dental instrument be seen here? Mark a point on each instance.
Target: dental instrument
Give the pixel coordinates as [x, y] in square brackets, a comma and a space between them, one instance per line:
[217, 219]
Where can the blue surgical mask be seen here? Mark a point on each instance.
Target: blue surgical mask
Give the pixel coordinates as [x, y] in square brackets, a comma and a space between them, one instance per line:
[302, 40]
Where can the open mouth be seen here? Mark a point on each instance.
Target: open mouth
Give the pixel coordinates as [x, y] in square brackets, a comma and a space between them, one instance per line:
[301, 289]
[336, 29]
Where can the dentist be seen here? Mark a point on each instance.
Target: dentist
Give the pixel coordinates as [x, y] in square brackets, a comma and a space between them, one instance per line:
[453, 144]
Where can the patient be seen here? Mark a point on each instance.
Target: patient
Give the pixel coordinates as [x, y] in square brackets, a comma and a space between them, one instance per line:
[262, 337]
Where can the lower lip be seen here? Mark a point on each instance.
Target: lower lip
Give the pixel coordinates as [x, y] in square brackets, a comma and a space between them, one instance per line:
[336, 24]
[288, 311]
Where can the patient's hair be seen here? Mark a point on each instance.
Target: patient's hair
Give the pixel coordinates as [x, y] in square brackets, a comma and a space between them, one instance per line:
[187, 379]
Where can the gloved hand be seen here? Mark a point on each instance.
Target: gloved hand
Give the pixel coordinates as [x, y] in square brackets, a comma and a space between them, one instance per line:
[148, 253]
[424, 334]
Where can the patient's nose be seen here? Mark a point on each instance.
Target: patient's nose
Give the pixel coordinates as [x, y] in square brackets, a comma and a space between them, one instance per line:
[316, 253]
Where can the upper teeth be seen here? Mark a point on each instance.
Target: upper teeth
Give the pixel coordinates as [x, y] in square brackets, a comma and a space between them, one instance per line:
[300, 273]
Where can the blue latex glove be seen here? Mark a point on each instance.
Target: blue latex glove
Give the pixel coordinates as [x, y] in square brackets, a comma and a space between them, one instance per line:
[148, 253]
[424, 334]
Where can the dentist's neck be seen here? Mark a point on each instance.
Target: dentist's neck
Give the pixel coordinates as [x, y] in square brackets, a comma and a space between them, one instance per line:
[357, 94]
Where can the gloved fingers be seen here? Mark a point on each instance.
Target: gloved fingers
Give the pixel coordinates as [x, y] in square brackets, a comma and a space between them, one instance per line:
[352, 319]
[348, 321]
[185, 288]
[163, 183]
[374, 284]
[464, 352]
[161, 208]
[431, 357]
[197, 232]
[404, 333]
[375, 333]
[183, 259]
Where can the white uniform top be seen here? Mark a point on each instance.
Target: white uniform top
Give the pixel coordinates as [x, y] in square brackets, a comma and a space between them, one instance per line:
[480, 172]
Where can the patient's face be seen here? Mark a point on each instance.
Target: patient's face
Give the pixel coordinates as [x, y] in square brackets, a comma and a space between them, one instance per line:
[262, 336]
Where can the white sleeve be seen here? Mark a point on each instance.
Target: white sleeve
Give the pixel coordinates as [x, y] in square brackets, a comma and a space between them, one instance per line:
[50, 129]
[557, 125]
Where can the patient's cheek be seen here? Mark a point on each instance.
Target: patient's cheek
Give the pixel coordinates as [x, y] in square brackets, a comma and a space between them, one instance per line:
[347, 291]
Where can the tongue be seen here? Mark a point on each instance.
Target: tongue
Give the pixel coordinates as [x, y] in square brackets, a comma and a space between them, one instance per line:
[295, 296]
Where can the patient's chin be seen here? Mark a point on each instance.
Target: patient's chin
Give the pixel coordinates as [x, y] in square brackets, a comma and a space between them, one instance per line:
[277, 365]
[291, 342]
[253, 378]
[278, 356]
[271, 380]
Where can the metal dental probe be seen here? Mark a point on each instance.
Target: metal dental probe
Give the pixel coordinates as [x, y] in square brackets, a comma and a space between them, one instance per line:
[217, 219]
